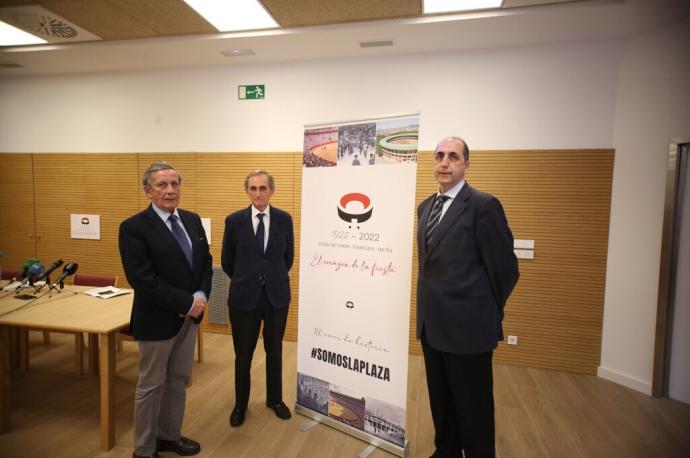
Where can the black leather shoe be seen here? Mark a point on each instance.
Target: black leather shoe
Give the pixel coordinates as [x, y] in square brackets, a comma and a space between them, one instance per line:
[182, 446]
[155, 455]
[280, 409]
[236, 417]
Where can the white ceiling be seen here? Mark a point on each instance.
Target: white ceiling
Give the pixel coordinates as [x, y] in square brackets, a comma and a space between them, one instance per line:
[568, 22]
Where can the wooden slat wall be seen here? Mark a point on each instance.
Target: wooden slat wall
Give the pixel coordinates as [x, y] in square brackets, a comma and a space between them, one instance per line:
[16, 210]
[83, 183]
[220, 191]
[560, 199]
[558, 307]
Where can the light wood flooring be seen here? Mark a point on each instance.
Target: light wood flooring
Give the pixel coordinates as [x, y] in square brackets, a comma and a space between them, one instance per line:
[539, 413]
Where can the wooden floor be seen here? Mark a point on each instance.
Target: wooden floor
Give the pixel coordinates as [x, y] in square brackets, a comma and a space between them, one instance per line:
[538, 413]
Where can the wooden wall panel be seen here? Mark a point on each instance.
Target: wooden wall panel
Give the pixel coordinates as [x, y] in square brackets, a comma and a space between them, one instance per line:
[17, 227]
[294, 275]
[220, 191]
[560, 199]
[83, 183]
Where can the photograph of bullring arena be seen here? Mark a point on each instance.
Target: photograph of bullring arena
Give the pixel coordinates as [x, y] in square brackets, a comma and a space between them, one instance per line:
[389, 141]
[320, 147]
[396, 140]
[378, 418]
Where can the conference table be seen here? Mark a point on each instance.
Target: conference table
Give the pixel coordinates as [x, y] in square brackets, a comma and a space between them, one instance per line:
[73, 311]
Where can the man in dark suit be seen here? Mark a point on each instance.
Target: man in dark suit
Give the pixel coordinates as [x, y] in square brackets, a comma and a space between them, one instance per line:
[258, 250]
[166, 259]
[467, 270]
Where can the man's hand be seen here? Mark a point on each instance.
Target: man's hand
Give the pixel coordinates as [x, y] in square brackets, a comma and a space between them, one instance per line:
[198, 308]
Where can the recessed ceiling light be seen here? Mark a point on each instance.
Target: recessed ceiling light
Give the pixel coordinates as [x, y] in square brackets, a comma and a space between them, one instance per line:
[448, 6]
[234, 15]
[237, 52]
[12, 36]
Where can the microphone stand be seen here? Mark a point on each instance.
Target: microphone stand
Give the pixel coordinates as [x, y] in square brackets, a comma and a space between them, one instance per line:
[47, 282]
[53, 286]
[8, 293]
[15, 290]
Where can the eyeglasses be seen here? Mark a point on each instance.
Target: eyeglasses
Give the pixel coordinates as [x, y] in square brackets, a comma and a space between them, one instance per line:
[452, 156]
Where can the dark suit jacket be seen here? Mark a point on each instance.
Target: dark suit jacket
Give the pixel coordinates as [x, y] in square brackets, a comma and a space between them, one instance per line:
[465, 274]
[246, 267]
[157, 269]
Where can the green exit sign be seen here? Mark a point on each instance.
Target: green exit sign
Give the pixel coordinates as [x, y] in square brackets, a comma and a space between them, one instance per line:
[251, 92]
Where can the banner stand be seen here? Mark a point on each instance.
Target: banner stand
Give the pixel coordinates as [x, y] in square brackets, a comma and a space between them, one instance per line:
[356, 242]
[361, 435]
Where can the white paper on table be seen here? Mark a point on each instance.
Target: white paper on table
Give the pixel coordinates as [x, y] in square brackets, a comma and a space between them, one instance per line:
[106, 292]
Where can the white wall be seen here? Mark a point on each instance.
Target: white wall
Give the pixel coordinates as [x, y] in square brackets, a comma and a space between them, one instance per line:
[653, 107]
[629, 95]
[535, 97]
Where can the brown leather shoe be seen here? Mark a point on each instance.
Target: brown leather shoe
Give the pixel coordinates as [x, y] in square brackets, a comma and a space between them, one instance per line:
[182, 446]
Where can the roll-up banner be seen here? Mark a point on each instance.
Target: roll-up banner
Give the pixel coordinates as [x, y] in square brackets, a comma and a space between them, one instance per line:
[358, 196]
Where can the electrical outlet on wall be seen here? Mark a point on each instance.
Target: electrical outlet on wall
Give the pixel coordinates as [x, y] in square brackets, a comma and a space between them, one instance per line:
[512, 340]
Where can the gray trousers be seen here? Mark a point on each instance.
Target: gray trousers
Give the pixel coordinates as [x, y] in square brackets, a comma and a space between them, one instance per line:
[159, 401]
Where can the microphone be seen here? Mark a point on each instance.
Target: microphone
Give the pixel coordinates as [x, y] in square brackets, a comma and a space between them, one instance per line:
[68, 270]
[34, 271]
[25, 268]
[50, 270]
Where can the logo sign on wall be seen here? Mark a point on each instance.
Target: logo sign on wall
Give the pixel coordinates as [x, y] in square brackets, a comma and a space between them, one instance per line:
[358, 196]
[85, 226]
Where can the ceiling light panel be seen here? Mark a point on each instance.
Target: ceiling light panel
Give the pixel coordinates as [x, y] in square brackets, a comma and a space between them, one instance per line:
[12, 36]
[449, 6]
[235, 15]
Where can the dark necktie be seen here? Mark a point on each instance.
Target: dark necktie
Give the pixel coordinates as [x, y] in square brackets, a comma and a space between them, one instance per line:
[260, 231]
[435, 216]
[181, 238]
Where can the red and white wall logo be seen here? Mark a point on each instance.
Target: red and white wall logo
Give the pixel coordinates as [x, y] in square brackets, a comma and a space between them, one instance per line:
[355, 208]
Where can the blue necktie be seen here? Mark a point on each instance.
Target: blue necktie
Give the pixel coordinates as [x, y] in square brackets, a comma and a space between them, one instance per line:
[181, 238]
[260, 231]
[435, 216]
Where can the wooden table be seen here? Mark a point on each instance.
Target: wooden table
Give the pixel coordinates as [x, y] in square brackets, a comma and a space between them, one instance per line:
[69, 310]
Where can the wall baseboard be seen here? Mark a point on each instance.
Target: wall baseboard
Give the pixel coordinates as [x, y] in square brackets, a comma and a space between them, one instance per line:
[626, 380]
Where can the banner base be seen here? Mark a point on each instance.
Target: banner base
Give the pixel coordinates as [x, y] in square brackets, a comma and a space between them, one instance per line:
[359, 434]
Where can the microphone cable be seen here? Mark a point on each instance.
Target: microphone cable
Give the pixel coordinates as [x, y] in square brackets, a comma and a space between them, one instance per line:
[26, 304]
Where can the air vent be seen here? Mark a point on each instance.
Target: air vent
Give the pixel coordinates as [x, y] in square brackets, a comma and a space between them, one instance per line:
[376, 44]
[45, 26]
[43, 23]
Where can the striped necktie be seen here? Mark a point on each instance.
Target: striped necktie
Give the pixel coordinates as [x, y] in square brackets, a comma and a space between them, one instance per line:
[435, 216]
